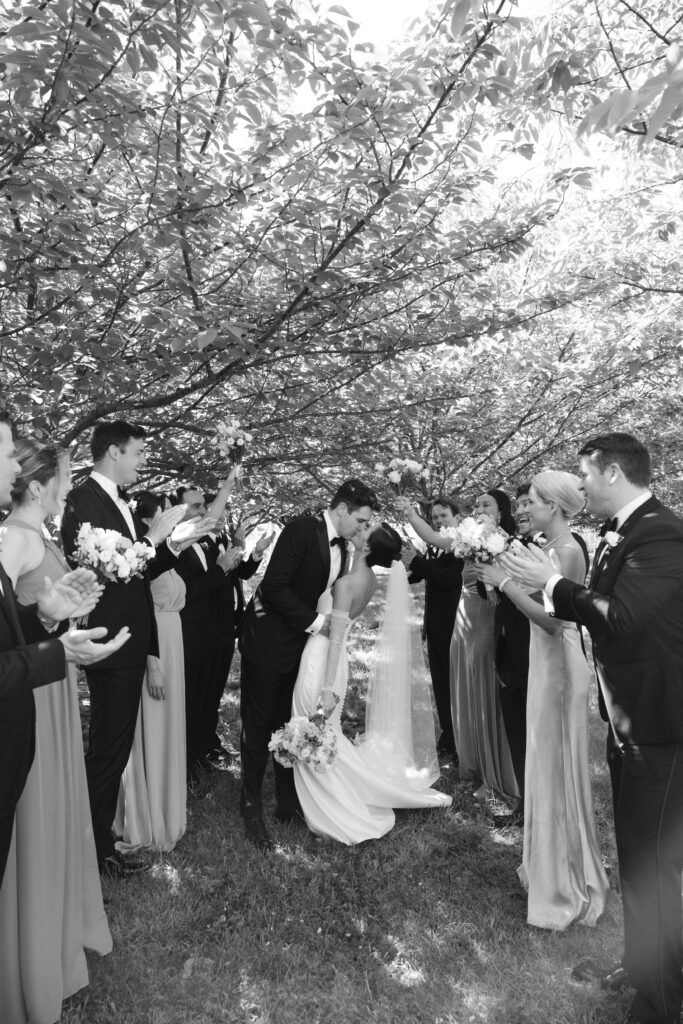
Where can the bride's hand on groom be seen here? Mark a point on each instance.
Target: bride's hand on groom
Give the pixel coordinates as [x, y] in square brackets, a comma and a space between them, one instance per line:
[325, 628]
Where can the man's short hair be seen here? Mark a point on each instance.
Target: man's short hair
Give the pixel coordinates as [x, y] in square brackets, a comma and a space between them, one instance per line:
[446, 502]
[628, 452]
[110, 432]
[355, 494]
[523, 489]
[180, 493]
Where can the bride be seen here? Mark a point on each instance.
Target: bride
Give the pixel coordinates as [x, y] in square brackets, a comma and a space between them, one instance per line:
[395, 763]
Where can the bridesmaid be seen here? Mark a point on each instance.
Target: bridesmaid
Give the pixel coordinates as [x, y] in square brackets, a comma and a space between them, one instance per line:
[50, 902]
[562, 868]
[480, 737]
[152, 808]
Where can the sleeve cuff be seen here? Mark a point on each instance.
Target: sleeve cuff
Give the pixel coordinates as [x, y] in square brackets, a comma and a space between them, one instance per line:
[316, 625]
[548, 593]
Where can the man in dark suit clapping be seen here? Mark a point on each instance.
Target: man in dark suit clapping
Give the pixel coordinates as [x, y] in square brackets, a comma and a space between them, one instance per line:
[442, 574]
[634, 613]
[308, 558]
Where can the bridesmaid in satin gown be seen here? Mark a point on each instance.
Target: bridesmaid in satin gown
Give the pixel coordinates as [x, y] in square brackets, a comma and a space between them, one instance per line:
[152, 807]
[51, 907]
[353, 800]
[480, 737]
[562, 868]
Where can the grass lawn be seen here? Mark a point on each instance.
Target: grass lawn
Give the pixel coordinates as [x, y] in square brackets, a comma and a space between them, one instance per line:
[426, 925]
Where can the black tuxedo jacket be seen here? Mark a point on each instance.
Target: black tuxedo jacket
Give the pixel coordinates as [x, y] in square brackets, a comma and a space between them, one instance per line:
[121, 604]
[276, 619]
[442, 574]
[634, 613]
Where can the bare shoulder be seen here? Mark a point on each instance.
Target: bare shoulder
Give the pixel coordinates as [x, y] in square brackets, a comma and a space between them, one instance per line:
[20, 550]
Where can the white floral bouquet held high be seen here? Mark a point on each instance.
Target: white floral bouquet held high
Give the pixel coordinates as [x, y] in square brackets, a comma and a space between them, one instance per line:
[232, 440]
[307, 740]
[403, 473]
[113, 557]
[477, 540]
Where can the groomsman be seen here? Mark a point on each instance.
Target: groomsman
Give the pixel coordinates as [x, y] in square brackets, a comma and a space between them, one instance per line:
[115, 684]
[633, 611]
[30, 657]
[442, 574]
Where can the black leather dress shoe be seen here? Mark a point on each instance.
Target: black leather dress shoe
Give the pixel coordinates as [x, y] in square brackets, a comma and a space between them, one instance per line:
[213, 763]
[588, 971]
[118, 866]
[256, 833]
[285, 817]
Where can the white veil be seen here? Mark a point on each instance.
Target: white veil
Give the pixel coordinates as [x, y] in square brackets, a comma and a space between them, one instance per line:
[399, 726]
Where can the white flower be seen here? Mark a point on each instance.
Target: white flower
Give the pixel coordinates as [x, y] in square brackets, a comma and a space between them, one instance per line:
[612, 538]
[394, 477]
[495, 544]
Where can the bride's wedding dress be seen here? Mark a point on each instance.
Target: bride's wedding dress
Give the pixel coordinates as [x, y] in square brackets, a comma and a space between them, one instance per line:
[395, 763]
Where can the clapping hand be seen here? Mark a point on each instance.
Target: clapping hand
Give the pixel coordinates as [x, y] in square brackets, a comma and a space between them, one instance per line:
[263, 544]
[229, 558]
[164, 523]
[79, 647]
[75, 594]
[192, 530]
[528, 565]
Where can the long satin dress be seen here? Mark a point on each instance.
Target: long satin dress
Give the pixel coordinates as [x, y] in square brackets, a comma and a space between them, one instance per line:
[152, 808]
[352, 801]
[50, 902]
[562, 868]
[480, 737]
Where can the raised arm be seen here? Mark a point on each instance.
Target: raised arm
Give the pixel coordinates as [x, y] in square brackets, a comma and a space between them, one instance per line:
[422, 529]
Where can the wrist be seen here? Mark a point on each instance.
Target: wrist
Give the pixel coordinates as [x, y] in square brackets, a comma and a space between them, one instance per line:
[504, 582]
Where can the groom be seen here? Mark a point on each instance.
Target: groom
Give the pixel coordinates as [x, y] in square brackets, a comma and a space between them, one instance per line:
[634, 613]
[307, 559]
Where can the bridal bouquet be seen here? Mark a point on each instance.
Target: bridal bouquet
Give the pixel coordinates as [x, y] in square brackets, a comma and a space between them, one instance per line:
[232, 440]
[402, 473]
[477, 541]
[310, 740]
[110, 555]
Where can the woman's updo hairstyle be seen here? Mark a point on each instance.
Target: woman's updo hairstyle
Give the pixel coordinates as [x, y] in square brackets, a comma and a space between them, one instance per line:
[41, 462]
[507, 520]
[562, 488]
[385, 546]
[147, 503]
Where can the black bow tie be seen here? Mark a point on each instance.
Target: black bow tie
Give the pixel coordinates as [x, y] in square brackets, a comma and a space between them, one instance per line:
[608, 526]
[122, 494]
[338, 542]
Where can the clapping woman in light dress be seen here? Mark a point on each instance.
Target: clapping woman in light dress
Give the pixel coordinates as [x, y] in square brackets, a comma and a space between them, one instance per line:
[562, 868]
[50, 902]
[480, 737]
[395, 764]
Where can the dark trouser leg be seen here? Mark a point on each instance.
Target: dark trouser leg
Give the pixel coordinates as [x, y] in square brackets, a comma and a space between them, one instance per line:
[17, 727]
[513, 706]
[613, 758]
[209, 740]
[114, 705]
[438, 652]
[198, 663]
[649, 829]
[266, 704]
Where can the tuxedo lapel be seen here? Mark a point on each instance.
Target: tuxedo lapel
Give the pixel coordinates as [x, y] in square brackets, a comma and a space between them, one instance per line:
[600, 563]
[111, 508]
[324, 543]
[8, 606]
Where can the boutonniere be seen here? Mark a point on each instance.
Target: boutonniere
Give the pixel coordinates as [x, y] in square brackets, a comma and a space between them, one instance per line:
[612, 538]
[132, 505]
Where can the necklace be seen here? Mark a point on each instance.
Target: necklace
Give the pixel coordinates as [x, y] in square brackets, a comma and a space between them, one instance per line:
[565, 533]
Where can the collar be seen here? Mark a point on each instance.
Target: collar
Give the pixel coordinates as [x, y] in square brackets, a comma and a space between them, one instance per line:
[106, 484]
[624, 513]
[331, 528]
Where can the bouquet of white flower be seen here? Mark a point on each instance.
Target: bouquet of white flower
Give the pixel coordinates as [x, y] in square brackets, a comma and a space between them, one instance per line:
[477, 540]
[402, 473]
[111, 556]
[232, 440]
[310, 740]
